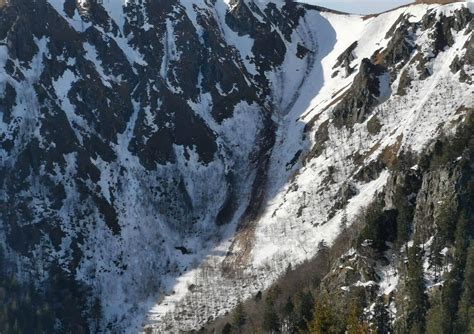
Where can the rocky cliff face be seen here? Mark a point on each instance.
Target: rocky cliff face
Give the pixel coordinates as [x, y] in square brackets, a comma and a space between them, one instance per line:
[152, 149]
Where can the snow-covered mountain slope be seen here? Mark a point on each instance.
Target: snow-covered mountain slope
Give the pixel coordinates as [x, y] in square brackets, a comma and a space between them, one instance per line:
[175, 156]
[338, 170]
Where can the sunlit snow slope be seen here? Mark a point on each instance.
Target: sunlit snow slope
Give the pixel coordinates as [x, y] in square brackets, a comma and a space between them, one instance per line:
[314, 161]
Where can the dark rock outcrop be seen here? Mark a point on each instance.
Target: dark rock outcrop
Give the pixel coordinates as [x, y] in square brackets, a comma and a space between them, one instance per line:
[359, 100]
[346, 58]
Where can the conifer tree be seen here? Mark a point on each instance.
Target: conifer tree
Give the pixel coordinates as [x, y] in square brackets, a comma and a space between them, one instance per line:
[417, 305]
[271, 322]
[353, 323]
[323, 251]
[227, 329]
[289, 316]
[240, 317]
[452, 288]
[344, 221]
[324, 320]
[465, 317]
[404, 216]
[96, 313]
[305, 310]
[436, 317]
[289, 308]
[381, 318]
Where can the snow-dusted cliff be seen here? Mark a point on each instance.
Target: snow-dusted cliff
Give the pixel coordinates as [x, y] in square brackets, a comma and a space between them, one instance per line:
[175, 156]
[315, 162]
